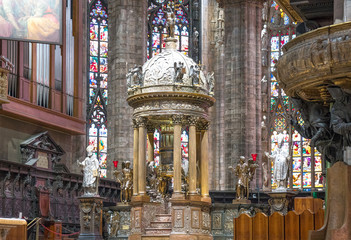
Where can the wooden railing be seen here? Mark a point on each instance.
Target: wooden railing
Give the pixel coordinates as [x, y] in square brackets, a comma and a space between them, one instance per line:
[292, 226]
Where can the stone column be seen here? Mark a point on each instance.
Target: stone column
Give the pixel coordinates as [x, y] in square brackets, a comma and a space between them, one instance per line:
[150, 142]
[177, 156]
[125, 50]
[142, 158]
[242, 82]
[192, 156]
[135, 157]
[204, 162]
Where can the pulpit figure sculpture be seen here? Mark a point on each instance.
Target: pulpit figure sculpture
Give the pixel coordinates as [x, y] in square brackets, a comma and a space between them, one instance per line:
[280, 157]
[91, 170]
[126, 181]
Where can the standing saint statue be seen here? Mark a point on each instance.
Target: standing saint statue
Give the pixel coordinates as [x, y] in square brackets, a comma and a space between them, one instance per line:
[241, 171]
[126, 182]
[280, 157]
[91, 170]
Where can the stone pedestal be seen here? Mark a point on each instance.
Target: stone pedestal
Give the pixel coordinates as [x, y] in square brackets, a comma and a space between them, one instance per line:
[337, 223]
[281, 201]
[90, 217]
[117, 219]
[190, 220]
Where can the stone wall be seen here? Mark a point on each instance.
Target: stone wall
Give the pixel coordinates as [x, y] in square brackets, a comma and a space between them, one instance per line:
[127, 46]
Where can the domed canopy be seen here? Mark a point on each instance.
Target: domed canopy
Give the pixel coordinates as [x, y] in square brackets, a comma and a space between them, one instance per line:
[172, 81]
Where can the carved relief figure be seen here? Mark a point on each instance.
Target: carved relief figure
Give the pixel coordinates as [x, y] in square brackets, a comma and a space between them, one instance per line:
[126, 181]
[179, 71]
[91, 170]
[195, 74]
[280, 156]
[134, 76]
[196, 39]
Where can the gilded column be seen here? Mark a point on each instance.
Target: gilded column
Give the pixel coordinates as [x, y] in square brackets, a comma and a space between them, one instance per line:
[150, 142]
[142, 158]
[177, 155]
[192, 156]
[135, 158]
[204, 161]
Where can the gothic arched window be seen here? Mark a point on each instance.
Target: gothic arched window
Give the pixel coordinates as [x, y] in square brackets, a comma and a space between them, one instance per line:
[97, 93]
[303, 173]
[187, 28]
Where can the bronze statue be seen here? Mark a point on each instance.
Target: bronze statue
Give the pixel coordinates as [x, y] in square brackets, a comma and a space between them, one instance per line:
[241, 171]
[170, 25]
[245, 172]
[126, 181]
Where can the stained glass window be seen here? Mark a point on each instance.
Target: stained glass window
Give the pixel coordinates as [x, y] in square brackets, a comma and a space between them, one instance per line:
[185, 150]
[186, 29]
[281, 31]
[97, 94]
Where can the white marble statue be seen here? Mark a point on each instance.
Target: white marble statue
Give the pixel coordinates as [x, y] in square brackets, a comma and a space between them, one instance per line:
[280, 157]
[91, 171]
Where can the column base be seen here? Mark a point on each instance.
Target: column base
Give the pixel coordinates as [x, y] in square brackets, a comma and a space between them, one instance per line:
[140, 199]
[206, 199]
[195, 197]
[178, 196]
[90, 217]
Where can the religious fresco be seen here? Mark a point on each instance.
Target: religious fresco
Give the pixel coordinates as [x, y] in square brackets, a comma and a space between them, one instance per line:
[31, 20]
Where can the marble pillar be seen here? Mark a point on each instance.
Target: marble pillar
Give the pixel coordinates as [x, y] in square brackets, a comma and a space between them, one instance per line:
[135, 157]
[177, 156]
[125, 50]
[204, 163]
[242, 83]
[192, 156]
[142, 158]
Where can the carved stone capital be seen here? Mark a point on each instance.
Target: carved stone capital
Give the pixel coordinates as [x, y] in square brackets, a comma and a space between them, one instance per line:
[141, 121]
[177, 119]
[192, 120]
[203, 125]
[150, 128]
[135, 123]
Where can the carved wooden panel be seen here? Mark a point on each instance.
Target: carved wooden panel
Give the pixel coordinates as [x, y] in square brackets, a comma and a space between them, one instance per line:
[306, 224]
[43, 161]
[243, 227]
[319, 219]
[292, 226]
[260, 226]
[276, 226]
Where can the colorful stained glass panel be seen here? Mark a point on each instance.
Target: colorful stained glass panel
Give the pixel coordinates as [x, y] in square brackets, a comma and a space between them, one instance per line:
[296, 180]
[104, 33]
[306, 180]
[94, 48]
[103, 49]
[103, 65]
[94, 32]
[296, 164]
